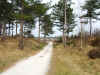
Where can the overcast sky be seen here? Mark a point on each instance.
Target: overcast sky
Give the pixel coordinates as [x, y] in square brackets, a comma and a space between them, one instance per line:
[77, 11]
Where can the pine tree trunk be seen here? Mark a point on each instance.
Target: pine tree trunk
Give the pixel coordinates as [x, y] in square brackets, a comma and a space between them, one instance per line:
[63, 36]
[63, 39]
[90, 27]
[81, 36]
[12, 30]
[16, 29]
[0, 29]
[39, 28]
[6, 32]
[4, 29]
[21, 42]
[65, 25]
[9, 30]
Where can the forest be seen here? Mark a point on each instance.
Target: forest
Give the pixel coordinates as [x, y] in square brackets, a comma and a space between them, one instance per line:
[66, 34]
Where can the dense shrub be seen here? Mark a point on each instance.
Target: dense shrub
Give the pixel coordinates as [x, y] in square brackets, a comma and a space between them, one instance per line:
[93, 54]
[59, 40]
[96, 42]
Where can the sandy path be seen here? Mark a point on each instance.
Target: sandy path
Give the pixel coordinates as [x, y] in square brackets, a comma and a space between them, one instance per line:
[35, 65]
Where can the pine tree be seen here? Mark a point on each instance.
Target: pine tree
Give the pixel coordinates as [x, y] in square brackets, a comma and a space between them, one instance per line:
[59, 17]
[6, 15]
[47, 25]
[40, 10]
[91, 6]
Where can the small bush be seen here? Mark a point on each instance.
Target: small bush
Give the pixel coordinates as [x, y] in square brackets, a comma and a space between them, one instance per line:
[96, 42]
[93, 54]
[71, 43]
[59, 40]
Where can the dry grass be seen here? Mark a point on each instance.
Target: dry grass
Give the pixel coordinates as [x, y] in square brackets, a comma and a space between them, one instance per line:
[9, 52]
[72, 61]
